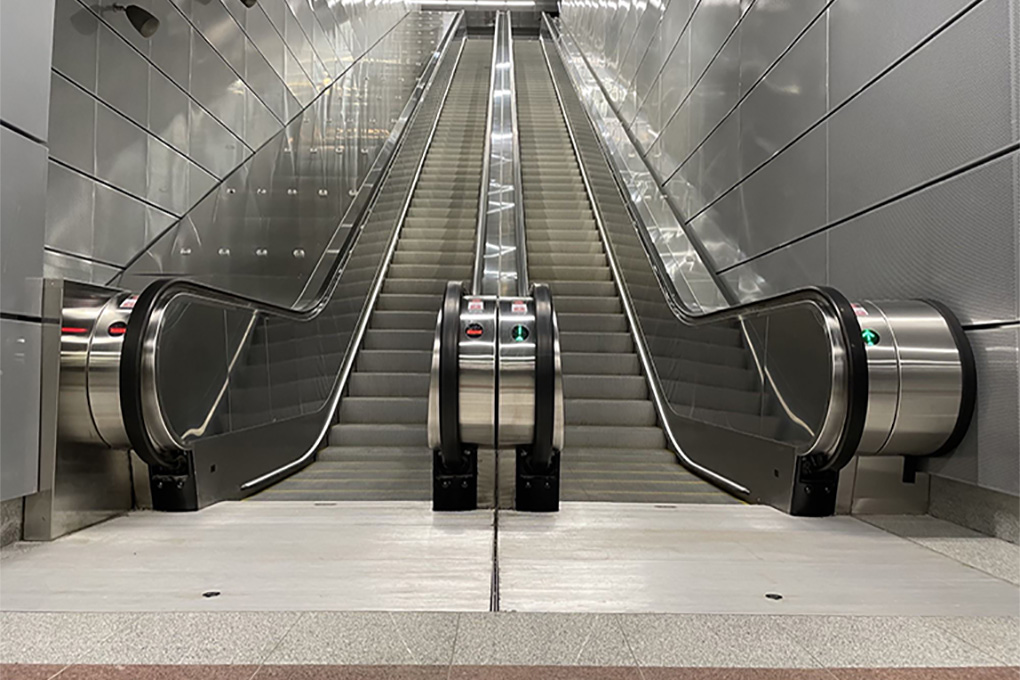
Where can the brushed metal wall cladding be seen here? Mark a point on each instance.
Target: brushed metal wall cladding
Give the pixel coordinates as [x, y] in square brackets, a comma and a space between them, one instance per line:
[26, 45]
[61, 266]
[782, 201]
[946, 105]
[179, 110]
[987, 455]
[20, 362]
[22, 216]
[866, 37]
[955, 242]
[794, 266]
[768, 29]
[72, 136]
[70, 197]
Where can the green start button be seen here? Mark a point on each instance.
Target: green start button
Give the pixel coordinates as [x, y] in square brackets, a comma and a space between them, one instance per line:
[519, 333]
[871, 338]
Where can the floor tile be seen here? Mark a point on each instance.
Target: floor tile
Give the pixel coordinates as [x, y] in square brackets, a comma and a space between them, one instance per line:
[624, 557]
[281, 556]
[877, 642]
[55, 637]
[508, 638]
[366, 638]
[991, 555]
[998, 637]
[669, 640]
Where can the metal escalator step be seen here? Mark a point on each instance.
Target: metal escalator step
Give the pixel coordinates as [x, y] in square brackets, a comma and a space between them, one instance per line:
[608, 412]
[618, 436]
[394, 361]
[377, 384]
[359, 434]
[388, 409]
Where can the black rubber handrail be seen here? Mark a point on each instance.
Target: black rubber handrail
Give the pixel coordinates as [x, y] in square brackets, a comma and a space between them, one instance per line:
[449, 378]
[541, 458]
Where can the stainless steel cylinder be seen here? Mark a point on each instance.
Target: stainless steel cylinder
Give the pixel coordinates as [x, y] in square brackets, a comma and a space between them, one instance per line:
[916, 379]
[92, 334]
[477, 378]
[516, 402]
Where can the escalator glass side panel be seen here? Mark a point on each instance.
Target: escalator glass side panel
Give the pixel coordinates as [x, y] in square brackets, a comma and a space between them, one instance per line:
[771, 373]
[251, 390]
[273, 228]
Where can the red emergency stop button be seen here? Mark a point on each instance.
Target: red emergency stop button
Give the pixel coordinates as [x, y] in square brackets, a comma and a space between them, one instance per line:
[474, 330]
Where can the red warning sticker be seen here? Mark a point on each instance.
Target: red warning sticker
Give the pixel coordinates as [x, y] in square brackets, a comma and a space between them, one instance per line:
[859, 310]
[518, 307]
[475, 306]
[129, 302]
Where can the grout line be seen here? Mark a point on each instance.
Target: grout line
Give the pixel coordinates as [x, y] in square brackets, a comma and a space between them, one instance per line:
[453, 652]
[262, 661]
[403, 641]
[587, 639]
[630, 647]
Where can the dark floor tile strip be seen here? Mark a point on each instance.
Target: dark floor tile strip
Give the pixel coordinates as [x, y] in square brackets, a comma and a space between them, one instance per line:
[24, 671]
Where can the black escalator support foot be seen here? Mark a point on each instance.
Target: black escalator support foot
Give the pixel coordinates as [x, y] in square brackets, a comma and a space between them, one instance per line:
[174, 490]
[455, 490]
[814, 492]
[537, 492]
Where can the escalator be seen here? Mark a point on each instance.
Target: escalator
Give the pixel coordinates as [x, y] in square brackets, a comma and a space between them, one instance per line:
[616, 450]
[377, 451]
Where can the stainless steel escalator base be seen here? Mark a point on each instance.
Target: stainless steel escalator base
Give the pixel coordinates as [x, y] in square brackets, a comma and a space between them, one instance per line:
[614, 448]
[378, 450]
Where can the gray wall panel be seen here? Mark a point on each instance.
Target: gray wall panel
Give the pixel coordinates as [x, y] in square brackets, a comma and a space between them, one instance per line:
[769, 28]
[868, 36]
[787, 102]
[70, 197]
[160, 119]
[22, 216]
[781, 202]
[916, 247]
[26, 47]
[795, 266]
[962, 76]
[982, 457]
[20, 363]
[72, 125]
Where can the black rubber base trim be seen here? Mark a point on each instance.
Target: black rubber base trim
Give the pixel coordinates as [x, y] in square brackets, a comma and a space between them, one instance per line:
[537, 492]
[814, 492]
[455, 489]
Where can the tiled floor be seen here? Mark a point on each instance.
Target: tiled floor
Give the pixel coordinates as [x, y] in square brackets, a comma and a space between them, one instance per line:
[442, 640]
[124, 599]
[621, 557]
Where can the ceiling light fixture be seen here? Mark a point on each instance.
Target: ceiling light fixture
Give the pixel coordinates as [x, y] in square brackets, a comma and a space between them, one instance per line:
[144, 21]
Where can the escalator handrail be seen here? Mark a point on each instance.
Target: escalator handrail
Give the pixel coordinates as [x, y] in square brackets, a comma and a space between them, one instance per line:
[545, 379]
[483, 190]
[142, 413]
[830, 302]
[523, 285]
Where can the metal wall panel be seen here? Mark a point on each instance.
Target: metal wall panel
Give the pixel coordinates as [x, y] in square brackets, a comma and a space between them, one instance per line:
[121, 151]
[123, 77]
[955, 242]
[781, 202]
[787, 102]
[168, 111]
[800, 264]
[26, 47]
[22, 217]
[987, 456]
[119, 226]
[75, 43]
[72, 136]
[769, 28]
[20, 363]
[69, 201]
[868, 36]
[965, 75]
